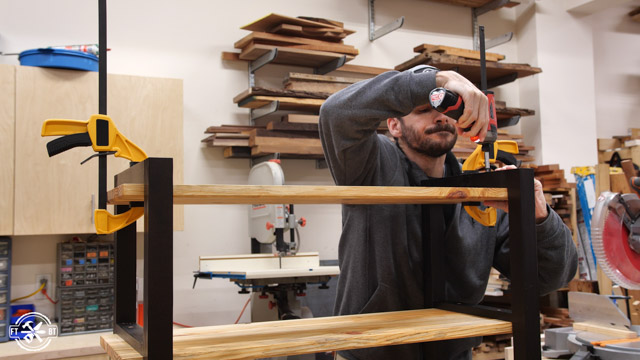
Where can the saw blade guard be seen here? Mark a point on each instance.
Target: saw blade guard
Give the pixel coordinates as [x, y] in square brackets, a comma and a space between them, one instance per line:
[610, 244]
[265, 218]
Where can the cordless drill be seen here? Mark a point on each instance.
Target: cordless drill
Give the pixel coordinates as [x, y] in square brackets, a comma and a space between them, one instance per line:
[451, 104]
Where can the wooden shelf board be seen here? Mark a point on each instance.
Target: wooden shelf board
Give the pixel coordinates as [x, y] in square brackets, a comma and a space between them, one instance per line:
[286, 103]
[291, 56]
[306, 336]
[310, 194]
[349, 68]
[475, 3]
[270, 21]
[470, 68]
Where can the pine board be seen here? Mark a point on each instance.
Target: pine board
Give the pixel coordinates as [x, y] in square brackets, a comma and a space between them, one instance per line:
[306, 336]
[291, 56]
[308, 194]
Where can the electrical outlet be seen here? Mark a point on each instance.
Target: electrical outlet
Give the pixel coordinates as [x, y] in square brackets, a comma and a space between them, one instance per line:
[39, 279]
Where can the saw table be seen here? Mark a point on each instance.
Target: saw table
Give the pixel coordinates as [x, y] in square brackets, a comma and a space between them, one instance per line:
[149, 184]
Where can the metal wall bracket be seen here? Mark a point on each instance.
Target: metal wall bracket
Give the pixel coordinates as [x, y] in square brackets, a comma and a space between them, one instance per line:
[330, 66]
[265, 110]
[260, 62]
[375, 34]
[475, 12]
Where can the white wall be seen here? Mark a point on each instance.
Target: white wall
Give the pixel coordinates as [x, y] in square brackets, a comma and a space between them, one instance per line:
[184, 39]
[616, 45]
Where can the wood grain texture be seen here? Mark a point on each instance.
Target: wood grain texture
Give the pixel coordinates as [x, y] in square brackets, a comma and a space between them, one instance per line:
[286, 103]
[291, 56]
[466, 53]
[470, 68]
[309, 194]
[348, 68]
[272, 20]
[475, 3]
[53, 195]
[7, 146]
[305, 336]
[258, 37]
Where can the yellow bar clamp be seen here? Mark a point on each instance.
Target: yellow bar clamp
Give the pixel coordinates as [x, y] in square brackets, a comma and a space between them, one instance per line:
[103, 137]
[114, 141]
[475, 161]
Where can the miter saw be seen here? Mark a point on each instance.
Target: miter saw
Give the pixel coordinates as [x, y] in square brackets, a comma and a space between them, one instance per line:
[600, 332]
[276, 277]
[615, 231]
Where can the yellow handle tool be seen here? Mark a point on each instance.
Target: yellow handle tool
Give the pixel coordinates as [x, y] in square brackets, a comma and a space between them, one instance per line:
[99, 130]
[101, 134]
[475, 161]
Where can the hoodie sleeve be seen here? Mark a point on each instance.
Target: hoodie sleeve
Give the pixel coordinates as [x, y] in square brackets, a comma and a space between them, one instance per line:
[350, 117]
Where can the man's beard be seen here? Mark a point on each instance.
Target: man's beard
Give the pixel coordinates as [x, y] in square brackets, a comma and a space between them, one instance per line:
[426, 146]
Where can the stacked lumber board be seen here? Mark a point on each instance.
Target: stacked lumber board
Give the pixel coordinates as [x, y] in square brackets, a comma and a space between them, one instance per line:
[476, 3]
[299, 41]
[553, 317]
[620, 154]
[627, 146]
[467, 63]
[306, 92]
[296, 136]
[559, 194]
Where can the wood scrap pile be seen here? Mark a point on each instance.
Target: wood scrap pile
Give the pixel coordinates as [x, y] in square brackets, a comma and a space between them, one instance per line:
[555, 317]
[292, 136]
[467, 63]
[559, 194]
[299, 38]
[497, 283]
[492, 347]
[622, 155]
[551, 176]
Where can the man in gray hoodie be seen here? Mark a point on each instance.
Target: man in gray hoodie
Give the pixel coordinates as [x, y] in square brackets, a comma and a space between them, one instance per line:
[380, 251]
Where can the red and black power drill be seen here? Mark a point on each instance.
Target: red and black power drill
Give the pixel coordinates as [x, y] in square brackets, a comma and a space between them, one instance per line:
[451, 104]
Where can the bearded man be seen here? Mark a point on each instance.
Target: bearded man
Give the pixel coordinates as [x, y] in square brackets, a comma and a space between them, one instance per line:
[380, 250]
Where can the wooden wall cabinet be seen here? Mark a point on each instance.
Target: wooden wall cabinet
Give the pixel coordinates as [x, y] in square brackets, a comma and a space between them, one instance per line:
[57, 195]
[7, 140]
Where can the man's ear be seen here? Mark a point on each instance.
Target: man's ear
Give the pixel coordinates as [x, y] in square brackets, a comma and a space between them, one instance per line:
[393, 124]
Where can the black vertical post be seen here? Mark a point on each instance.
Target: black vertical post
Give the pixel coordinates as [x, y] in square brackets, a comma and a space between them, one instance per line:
[524, 265]
[433, 250]
[158, 258]
[102, 97]
[125, 286]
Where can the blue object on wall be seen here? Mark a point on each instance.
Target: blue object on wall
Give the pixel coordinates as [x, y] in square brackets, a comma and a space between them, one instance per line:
[59, 58]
